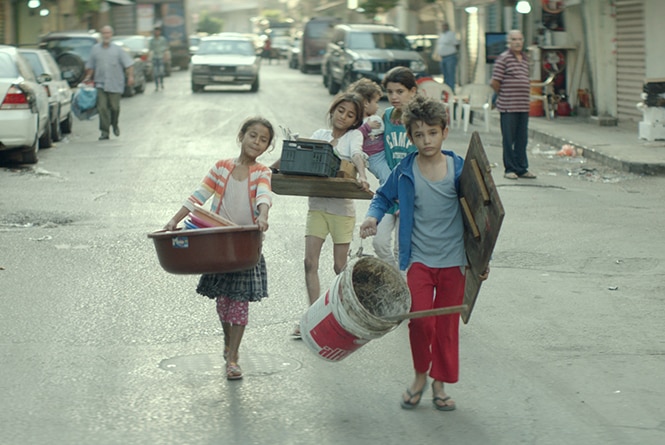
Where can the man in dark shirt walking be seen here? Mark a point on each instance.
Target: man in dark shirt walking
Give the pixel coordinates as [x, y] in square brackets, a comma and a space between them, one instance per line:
[510, 80]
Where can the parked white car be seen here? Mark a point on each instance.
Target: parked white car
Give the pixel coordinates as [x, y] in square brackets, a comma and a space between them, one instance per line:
[60, 95]
[225, 60]
[24, 114]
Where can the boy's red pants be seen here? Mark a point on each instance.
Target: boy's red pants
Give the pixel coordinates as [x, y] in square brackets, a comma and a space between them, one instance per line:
[435, 340]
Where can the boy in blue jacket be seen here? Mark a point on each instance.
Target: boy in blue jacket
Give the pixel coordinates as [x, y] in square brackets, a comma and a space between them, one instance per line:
[431, 246]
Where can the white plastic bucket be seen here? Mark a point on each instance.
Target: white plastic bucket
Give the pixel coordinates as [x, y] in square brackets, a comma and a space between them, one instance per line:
[351, 312]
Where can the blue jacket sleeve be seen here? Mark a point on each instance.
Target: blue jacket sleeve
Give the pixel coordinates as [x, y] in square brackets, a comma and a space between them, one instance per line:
[385, 197]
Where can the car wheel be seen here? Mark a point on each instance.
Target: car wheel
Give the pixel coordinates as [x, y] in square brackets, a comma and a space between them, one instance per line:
[346, 81]
[69, 62]
[66, 125]
[29, 154]
[303, 68]
[46, 141]
[56, 130]
[129, 91]
[255, 85]
[333, 87]
[196, 88]
[140, 88]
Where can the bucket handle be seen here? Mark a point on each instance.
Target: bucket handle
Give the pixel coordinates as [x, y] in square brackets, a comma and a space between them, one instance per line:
[429, 313]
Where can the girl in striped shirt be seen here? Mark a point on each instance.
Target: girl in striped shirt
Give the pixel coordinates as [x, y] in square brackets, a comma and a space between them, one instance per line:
[241, 193]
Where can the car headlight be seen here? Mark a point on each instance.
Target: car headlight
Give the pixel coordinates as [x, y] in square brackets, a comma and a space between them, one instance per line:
[362, 65]
[245, 69]
[418, 65]
[199, 69]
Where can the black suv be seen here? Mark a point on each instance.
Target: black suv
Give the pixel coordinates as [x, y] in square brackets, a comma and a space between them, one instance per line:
[370, 51]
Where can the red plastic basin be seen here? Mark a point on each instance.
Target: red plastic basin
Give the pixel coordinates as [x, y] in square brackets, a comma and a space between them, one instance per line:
[210, 250]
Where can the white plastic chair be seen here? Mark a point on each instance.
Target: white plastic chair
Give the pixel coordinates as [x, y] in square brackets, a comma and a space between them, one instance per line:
[475, 96]
[440, 91]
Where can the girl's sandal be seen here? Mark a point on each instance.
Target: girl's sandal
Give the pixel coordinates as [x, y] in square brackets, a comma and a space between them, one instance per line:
[233, 371]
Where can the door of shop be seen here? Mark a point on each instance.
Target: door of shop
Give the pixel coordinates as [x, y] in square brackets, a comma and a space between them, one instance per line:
[631, 58]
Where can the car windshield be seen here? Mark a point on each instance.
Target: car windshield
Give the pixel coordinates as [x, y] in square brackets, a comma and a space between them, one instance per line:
[34, 62]
[7, 66]
[133, 43]
[79, 46]
[239, 47]
[378, 40]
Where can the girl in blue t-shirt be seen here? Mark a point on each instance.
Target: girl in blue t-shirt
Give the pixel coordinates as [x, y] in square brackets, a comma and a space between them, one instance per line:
[401, 87]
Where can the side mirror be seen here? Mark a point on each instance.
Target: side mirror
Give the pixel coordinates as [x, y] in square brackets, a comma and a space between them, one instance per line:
[340, 44]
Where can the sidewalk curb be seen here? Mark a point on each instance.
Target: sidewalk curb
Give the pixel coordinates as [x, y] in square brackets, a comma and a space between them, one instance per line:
[639, 168]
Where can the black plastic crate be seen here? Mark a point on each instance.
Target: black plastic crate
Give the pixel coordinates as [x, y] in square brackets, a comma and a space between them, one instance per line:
[308, 157]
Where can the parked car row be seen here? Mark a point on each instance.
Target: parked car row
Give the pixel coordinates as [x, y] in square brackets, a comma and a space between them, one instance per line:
[29, 105]
[37, 88]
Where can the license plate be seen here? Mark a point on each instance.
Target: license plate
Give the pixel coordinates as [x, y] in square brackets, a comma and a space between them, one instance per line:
[222, 78]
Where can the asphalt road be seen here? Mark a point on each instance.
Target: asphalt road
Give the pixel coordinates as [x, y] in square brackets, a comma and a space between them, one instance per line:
[100, 345]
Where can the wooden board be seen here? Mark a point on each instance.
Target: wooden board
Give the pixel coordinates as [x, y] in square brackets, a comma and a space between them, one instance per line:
[297, 185]
[483, 215]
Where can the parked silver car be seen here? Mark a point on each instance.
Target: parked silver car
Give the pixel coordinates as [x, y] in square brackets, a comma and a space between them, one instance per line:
[24, 112]
[59, 93]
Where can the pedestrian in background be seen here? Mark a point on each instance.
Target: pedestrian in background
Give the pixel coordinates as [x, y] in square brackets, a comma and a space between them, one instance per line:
[240, 189]
[159, 51]
[446, 51]
[108, 66]
[431, 246]
[511, 82]
[267, 50]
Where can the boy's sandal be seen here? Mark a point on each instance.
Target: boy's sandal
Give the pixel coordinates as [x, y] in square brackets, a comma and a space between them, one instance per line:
[408, 404]
[233, 371]
[445, 406]
[510, 175]
[528, 175]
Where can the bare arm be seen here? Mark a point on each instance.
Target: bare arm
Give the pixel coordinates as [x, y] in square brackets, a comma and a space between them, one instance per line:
[359, 162]
[496, 85]
[262, 220]
[173, 223]
[130, 75]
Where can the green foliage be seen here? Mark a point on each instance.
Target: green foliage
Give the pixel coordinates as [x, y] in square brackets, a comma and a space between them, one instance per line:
[273, 14]
[371, 7]
[209, 24]
[84, 7]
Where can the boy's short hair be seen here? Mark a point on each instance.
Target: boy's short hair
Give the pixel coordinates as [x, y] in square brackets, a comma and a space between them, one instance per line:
[366, 88]
[424, 109]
